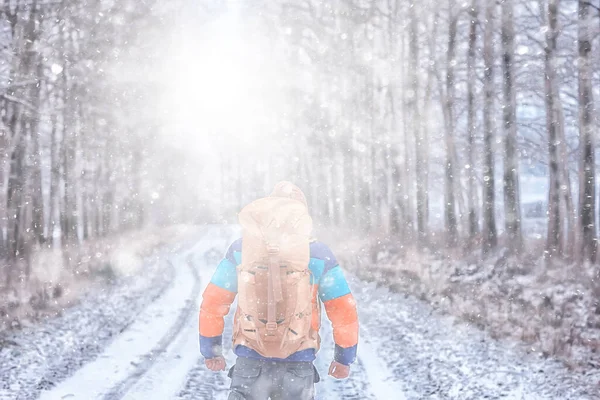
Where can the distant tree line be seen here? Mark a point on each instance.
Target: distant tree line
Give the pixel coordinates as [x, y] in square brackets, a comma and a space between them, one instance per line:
[72, 150]
[415, 118]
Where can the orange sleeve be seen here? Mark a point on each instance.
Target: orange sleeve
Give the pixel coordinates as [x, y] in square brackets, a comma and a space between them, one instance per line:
[344, 318]
[216, 302]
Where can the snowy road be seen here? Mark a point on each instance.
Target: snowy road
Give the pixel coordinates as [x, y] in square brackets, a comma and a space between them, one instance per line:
[407, 351]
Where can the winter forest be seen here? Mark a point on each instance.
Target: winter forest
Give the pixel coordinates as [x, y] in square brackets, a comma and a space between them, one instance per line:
[458, 124]
[450, 145]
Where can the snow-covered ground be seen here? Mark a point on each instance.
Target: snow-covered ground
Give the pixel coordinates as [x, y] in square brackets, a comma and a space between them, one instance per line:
[139, 341]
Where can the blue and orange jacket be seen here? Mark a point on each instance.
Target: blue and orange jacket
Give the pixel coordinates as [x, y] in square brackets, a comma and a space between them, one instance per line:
[329, 284]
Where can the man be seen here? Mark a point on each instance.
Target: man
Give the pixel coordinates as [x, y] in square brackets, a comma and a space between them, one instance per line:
[275, 337]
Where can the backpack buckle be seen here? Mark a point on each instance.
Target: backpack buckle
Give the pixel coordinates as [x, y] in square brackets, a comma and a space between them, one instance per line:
[271, 326]
[272, 250]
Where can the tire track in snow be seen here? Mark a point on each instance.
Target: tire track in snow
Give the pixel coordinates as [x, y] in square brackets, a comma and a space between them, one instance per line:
[132, 352]
[120, 390]
[370, 378]
[355, 387]
[201, 383]
[55, 349]
[406, 351]
[381, 381]
[167, 374]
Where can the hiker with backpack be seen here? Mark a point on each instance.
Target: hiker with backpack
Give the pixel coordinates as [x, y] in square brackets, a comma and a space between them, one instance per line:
[280, 277]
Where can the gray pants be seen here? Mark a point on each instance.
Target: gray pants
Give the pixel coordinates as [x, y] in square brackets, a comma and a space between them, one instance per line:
[262, 380]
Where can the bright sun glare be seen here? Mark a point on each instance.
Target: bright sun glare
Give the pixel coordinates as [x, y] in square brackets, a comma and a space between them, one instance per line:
[219, 85]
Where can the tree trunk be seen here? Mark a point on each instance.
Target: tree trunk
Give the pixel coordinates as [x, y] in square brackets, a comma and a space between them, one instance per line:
[55, 151]
[372, 152]
[555, 219]
[566, 200]
[490, 239]
[350, 215]
[449, 198]
[69, 212]
[393, 173]
[36, 181]
[512, 202]
[471, 117]
[22, 124]
[587, 179]
[424, 129]
[416, 129]
[15, 198]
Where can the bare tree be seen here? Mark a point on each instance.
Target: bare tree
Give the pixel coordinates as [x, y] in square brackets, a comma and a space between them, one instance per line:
[587, 182]
[449, 199]
[555, 218]
[56, 94]
[471, 124]
[490, 239]
[417, 129]
[512, 203]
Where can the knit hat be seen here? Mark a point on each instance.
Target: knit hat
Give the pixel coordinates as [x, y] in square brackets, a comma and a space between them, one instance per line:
[289, 190]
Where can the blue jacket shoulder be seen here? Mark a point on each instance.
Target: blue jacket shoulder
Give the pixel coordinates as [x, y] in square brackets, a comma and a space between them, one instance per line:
[233, 248]
[321, 251]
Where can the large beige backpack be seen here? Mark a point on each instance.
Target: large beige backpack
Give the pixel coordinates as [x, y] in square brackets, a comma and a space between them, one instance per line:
[275, 306]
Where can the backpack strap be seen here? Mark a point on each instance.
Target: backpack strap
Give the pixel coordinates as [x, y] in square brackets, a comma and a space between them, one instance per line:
[275, 294]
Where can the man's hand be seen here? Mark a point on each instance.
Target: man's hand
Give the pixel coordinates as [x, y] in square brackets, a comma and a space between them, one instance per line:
[339, 371]
[215, 364]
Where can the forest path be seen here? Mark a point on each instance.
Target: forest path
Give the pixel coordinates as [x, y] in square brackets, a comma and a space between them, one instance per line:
[406, 351]
[151, 357]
